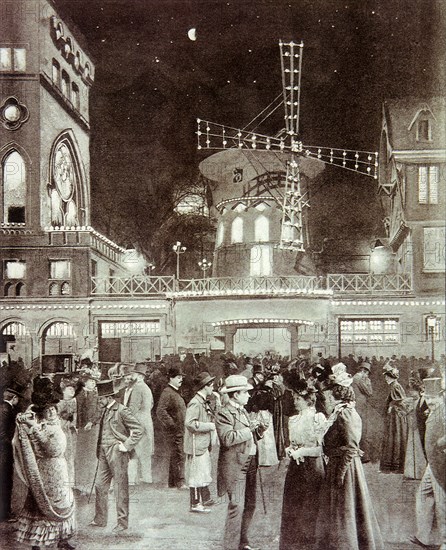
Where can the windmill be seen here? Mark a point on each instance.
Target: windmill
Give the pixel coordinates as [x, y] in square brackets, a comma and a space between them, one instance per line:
[215, 136]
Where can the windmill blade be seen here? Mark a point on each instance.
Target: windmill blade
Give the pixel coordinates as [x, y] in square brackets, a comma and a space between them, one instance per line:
[291, 61]
[363, 162]
[217, 136]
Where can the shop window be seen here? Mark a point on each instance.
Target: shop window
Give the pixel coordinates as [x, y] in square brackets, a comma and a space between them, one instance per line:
[428, 179]
[370, 331]
[237, 230]
[14, 188]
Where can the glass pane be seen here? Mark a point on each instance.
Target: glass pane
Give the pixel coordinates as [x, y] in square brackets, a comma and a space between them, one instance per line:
[15, 270]
[261, 229]
[422, 184]
[5, 59]
[60, 269]
[237, 230]
[19, 59]
[14, 183]
[433, 184]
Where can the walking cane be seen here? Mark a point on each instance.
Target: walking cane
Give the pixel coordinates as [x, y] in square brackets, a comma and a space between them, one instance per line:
[94, 481]
[262, 492]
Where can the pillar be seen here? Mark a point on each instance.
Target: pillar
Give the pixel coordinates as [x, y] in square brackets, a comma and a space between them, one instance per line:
[294, 341]
[229, 338]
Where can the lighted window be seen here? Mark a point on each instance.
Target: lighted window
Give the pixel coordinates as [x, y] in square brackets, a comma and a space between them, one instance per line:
[434, 249]
[260, 265]
[15, 269]
[370, 332]
[56, 73]
[261, 229]
[13, 59]
[75, 96]
[60, 269]
[220, 234]
[428, 179]
[14, 188]
[237, 230]
[424, 130]
[65, 289]
[65, 84]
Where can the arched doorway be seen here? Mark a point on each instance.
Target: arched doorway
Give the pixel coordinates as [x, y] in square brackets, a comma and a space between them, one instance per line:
[58, 347]
[14, 343]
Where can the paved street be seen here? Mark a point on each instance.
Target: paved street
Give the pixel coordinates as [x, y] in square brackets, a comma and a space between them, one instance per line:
[160, 517]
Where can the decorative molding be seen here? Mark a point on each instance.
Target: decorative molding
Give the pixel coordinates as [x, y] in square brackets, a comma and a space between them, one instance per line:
[13, 114]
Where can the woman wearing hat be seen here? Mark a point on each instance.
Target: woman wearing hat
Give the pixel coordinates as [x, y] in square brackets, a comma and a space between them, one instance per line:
[393, 451]
[306, 469]
[346, 519]
[48, 513]
[88, 416]
[67, 409]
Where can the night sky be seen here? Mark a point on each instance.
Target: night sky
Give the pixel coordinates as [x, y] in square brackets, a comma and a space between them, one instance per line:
[152, 82]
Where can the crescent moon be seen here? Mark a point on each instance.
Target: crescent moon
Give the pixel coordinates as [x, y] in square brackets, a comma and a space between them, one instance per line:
[192, 34]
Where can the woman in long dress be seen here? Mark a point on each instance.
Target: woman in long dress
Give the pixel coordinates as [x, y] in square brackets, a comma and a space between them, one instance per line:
[47, 517]
[395, 428]
[346, 519]
[305, 471]
[67, 409]
[88, 417]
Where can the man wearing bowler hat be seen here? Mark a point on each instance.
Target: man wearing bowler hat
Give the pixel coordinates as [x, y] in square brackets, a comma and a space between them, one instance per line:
[119, 432]
[237, 462]
[198, 438]
[8, 413]
[139, 399]
[171, 413]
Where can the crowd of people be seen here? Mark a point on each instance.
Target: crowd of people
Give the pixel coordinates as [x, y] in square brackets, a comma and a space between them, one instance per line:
[64, 433]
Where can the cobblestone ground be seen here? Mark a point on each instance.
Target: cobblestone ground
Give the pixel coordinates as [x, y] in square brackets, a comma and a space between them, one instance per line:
[160, 517]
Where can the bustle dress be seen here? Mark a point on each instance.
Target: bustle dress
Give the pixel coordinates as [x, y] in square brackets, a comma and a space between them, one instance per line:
[48, 513]
[302, 483]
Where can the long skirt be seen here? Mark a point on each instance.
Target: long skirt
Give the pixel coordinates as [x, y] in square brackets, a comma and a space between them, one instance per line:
[86, 460]
[346, 519]
[394, 443]
[300, 504]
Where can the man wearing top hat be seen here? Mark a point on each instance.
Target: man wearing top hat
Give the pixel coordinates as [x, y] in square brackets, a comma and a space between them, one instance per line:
[8, 413]
[119, 432]
[198, 436]
[139, 399]
[237, 462]
[171, 412]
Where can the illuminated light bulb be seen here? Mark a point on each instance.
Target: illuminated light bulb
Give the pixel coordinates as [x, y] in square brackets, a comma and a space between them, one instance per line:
[199, 133]
[368, 168]
[208, 129]
[198, 120]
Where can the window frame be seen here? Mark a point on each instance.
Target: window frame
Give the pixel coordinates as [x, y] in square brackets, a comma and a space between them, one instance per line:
[66, 276]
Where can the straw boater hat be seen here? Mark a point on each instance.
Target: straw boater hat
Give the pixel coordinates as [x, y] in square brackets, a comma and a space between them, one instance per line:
[236, 382]
[106, 388]
[203, 379]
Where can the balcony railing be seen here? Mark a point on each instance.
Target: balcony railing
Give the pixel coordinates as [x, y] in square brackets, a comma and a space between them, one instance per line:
[366, 284]
[132, 286]
[370, 283]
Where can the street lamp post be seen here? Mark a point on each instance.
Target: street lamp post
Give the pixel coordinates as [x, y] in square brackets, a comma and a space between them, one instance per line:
[178, 249]
[205, 265]
[431, 325]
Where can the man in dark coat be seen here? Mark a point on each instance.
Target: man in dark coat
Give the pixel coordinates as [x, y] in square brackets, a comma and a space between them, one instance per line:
[8, 413]
[171, 412]
[119, 432]
[237, 462]
[431, 496]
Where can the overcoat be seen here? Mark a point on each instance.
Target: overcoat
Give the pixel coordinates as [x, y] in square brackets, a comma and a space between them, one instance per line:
[199, 425]
[141, 405]
[235, 444]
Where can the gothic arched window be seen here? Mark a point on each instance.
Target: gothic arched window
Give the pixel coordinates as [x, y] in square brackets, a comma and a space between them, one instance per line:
[14, 188]
[261, 229]
[237, 230]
